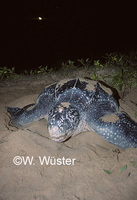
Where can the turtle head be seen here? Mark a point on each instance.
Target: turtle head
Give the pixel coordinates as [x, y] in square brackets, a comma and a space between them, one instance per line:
[63, 119]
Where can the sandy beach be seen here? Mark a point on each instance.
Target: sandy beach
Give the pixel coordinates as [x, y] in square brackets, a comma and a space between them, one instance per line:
[72, 170]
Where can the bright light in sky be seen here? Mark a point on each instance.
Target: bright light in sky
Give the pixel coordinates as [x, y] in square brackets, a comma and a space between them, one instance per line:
[39, 18]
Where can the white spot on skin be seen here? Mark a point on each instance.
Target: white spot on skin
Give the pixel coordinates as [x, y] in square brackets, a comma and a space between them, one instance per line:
[111, 136]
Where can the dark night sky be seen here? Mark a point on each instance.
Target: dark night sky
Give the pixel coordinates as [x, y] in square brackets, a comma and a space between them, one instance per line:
[71, 29]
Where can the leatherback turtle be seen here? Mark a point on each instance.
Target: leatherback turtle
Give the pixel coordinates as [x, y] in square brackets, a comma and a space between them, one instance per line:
[74, 106]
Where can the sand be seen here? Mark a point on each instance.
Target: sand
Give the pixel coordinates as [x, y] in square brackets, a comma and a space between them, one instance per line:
[72, 170]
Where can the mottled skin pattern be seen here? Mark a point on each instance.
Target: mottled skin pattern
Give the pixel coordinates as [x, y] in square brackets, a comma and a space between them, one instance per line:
[74, 106]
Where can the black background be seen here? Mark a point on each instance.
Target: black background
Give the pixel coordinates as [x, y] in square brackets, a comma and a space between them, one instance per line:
[71, 29]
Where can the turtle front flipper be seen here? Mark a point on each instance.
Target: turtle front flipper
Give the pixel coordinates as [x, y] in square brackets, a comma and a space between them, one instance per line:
[15, 111]
[117, 128]
[22, 116]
